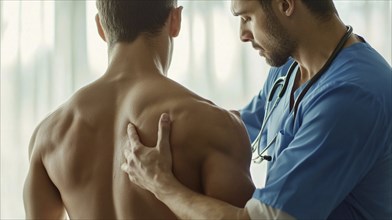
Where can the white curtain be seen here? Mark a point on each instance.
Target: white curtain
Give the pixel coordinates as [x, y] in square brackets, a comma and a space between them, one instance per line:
[49, 49]
[43, 61]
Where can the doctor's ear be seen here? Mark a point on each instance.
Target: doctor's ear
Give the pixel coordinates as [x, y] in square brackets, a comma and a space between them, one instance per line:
[286, 7]
[175, 21]
[101, 32]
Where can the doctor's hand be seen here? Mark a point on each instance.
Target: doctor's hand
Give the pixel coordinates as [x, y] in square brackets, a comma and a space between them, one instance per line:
[150, 168]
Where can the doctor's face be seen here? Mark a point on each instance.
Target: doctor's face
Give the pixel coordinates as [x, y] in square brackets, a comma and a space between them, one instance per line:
[262, 28]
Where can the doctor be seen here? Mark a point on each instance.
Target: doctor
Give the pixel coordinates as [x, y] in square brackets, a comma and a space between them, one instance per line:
[323, 122]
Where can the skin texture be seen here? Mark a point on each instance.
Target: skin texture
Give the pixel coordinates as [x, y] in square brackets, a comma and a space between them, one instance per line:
[289, 29]
[76, 153]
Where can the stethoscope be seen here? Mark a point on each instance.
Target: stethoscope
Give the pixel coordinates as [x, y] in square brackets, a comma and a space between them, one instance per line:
[283, 82]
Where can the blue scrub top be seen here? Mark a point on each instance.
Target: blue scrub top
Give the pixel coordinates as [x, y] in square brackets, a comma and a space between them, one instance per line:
[334, 159]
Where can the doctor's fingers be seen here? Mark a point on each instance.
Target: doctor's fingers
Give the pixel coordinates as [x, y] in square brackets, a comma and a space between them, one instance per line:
[131, 175]
[133, 137]
[126, 168]
[163, 143]
[129, 156]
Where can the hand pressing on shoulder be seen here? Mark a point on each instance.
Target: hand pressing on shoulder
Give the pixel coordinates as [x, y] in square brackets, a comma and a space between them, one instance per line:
[150, 168]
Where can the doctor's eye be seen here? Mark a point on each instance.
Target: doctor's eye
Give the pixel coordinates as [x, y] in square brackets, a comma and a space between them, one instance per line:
[245, 19]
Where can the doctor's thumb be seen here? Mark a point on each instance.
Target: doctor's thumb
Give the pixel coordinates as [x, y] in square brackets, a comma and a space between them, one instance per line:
[164, 132]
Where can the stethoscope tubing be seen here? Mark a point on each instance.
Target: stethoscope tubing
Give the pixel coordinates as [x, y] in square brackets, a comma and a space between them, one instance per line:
[281, 81]
[284, 81]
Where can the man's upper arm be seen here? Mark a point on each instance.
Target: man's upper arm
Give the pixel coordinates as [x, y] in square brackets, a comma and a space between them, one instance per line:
[226, 179]
[41, 197]
[225, 168]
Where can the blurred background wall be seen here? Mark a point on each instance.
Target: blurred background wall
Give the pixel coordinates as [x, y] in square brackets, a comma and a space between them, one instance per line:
[49, 49]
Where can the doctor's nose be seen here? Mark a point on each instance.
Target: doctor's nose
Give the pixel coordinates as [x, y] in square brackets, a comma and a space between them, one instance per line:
[246, 35]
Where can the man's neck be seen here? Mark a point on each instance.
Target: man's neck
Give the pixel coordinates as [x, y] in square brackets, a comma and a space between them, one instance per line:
[138, 58]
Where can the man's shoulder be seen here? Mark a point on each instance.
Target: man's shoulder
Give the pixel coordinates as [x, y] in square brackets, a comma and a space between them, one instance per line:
[53, 128]
[44, 134]
[56, 127]
[203, 113]
[204, 124]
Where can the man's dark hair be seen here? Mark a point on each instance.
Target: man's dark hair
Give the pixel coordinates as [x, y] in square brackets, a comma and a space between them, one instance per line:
[323, 9]
[125, 20]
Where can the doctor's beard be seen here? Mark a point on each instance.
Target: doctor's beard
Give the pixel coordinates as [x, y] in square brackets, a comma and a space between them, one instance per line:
[281, 46]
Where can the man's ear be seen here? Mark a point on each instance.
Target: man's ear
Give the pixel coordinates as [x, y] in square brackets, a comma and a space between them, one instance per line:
[175, 21]
[101, 32]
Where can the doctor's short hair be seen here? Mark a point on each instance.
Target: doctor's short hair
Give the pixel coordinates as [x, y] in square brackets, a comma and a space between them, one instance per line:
[125, 20]
[322, 9]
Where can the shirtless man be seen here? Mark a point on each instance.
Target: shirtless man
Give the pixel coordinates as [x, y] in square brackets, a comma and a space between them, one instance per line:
[76, 153]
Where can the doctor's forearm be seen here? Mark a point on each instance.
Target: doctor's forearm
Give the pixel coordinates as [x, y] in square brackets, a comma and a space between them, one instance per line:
[187, 204]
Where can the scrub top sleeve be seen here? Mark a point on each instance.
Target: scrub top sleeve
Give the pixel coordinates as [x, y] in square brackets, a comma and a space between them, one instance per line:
[333, 148]
[252, 115]
[258, 210]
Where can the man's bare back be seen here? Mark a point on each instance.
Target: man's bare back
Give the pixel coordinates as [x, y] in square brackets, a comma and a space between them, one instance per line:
[76, 152]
